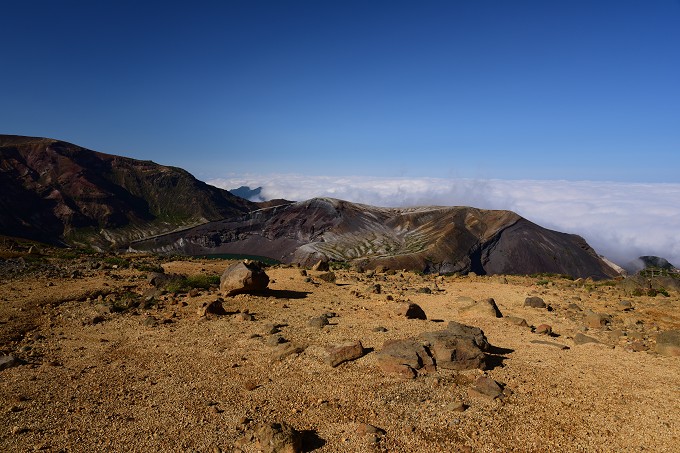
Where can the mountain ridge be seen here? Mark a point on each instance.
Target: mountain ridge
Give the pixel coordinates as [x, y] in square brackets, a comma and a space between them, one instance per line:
[67, 194]
[63, 193]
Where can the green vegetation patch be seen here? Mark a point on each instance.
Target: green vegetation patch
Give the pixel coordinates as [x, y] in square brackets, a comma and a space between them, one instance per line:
[199, 281]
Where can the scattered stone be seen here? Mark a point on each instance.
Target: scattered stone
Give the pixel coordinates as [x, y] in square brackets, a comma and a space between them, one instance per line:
[278, 438]
[534, 302]
[381, 269]
[243, 277]
[16, 430]
[214, 308]
[404, 357]
[8, 361]
[244, 317]
[550, 343]
[284, 350]
[250, 385]
[458, 347]
[485, 386]
[364, 429]
[457, 406]
[318, 322]
[424, 290]
[161, 280]
[579, 338]
[487, 308]
[574, 307]
[303, 272]
[321, 266]
[543, 329]
[328, 277]
[409, 310]
[638, 346]
[668, 343]
[375, 289]
[625, 305]
[379, 329]
[344, 352]
[517, 321]
[596, 320]
[275, 340]
[194, 292]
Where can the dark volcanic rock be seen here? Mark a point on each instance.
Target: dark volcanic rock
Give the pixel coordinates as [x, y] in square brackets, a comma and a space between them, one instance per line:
[534, 302]
[458, 347]
[410, 310]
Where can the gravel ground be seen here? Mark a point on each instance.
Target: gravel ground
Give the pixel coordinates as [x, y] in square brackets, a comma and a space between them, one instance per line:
[163, 378]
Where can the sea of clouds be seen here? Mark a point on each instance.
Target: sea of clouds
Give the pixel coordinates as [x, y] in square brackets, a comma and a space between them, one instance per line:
[620, 220]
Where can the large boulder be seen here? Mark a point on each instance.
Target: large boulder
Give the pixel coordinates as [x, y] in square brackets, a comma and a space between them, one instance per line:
[243, 277]
[485, 308]
[458, 347]
[404, 357]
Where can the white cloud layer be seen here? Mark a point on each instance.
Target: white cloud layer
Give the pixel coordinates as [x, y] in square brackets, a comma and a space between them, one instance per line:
[620, 220]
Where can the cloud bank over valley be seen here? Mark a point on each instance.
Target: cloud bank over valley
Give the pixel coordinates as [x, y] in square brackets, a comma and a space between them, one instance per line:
[620, 220]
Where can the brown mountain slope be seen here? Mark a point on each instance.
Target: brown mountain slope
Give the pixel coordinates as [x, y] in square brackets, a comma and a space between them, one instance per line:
[428, 239]
[55, 191]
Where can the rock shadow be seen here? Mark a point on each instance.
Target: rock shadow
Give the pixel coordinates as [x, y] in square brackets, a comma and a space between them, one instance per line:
[495, 356]
[311, 440]
[284, 294]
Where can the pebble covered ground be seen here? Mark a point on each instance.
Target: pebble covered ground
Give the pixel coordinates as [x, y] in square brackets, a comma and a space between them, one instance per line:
[99, 375]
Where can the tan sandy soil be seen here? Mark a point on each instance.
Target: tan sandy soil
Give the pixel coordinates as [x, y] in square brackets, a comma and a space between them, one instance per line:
[165, 379]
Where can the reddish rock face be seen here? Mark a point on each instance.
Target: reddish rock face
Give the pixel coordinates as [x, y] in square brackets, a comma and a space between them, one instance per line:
[55, 191]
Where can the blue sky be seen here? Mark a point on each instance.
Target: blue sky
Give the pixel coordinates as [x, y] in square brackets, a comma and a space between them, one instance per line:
[570, 90]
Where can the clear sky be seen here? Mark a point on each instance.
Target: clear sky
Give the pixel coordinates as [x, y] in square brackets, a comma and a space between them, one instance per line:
[563, 89]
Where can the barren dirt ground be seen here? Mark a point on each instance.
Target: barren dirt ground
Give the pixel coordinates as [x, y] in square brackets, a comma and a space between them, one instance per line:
[163, 378]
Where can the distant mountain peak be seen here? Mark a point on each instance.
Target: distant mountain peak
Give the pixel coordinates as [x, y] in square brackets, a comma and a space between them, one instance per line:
[249, 194]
